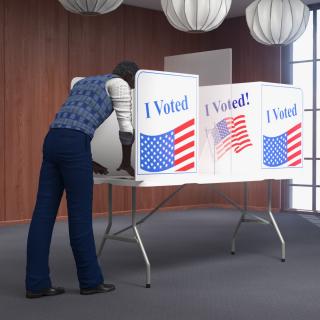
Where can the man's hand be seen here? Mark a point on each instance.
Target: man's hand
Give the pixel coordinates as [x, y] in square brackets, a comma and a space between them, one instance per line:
[127, 168]
[98, 168]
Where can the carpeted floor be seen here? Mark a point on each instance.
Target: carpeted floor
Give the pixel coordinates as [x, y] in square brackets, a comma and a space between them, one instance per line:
[193, 274]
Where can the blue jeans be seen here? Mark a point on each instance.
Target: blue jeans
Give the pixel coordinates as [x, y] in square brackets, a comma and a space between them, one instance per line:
[66, 165]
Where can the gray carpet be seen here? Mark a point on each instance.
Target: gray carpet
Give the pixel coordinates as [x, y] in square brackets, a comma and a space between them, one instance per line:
[193, 274]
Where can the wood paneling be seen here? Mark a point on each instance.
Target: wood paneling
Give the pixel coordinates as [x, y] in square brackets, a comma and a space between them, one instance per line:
[36, 83]
[2, 111]
[45, 47]
[95, 43]
[95, 47]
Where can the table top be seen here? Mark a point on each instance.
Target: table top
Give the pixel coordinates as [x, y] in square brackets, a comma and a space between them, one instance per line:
[180, 180]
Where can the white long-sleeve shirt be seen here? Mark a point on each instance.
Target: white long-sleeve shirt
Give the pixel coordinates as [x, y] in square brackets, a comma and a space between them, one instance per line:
[121, 97]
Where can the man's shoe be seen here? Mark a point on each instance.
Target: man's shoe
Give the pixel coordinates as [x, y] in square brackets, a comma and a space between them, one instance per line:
[45, 293]
[102, 288]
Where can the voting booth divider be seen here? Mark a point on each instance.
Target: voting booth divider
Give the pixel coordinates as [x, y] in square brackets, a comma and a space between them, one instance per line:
[183, 132]
[189, 134]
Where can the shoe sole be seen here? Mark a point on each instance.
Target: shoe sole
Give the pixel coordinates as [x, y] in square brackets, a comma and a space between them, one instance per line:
[40, 295]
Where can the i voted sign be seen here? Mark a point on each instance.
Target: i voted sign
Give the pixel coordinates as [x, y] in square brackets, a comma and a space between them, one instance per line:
[161, 108]
[166, 122]
[281, 122]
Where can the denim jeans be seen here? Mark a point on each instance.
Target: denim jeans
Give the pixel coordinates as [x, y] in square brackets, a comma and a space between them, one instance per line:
[66, 165]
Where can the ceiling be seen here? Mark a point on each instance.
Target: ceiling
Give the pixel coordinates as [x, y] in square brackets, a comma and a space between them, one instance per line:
[237, 7]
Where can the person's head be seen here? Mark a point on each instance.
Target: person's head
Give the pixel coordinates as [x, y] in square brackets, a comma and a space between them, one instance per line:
[127, 71]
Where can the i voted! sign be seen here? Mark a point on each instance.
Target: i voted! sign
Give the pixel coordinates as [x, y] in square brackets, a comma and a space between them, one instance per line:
[166, 122]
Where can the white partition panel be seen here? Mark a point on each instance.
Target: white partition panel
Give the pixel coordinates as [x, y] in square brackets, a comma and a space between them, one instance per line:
[213, 67]
[256, 129]
[166, 114]
[106, 147]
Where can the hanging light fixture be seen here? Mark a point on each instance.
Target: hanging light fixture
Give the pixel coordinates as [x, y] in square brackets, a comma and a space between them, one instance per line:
[273, 22]
[90, 7]
[196, 15]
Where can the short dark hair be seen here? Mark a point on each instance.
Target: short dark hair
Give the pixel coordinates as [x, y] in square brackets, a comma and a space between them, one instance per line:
[123, 68]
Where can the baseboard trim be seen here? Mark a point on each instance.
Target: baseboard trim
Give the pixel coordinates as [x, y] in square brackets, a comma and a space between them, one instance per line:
[169, 208]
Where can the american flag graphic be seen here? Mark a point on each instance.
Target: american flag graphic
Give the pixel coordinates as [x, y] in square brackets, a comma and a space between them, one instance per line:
[285, 149]
[230, 134]
[174, 150]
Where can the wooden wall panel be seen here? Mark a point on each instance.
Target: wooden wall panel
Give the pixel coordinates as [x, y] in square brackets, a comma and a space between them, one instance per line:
[2, 111]
[35, 73]
[95, 47]
[95, 43]
[138, 46]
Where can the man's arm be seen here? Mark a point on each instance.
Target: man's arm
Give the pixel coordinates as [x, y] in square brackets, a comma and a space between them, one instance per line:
[97, 168]
[120, 94]
[127, 140]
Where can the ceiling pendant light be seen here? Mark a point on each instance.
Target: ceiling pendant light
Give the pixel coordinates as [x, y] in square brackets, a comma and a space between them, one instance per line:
[90, 7]
[274, 22]
[196, 15]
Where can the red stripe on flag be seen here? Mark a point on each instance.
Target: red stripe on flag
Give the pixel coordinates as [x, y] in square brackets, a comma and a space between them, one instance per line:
[224, 142]
[241, 137]
[187, 167]
[242, 142]
[298, 144]
[220, 154]
[243, 147]
[298, 135]
[296, 127]
[184, 158]
[294, 155]
[184, 137]
[185, 147]
[236, 118]
[237, 129]
[184, 126]
[238, 122]
[241, 132]
[297, 162]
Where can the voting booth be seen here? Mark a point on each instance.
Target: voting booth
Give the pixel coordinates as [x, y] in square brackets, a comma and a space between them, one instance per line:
[186, 134]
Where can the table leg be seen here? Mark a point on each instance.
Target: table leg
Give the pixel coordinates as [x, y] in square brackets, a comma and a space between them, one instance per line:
[105, 236]
[243, 215]
[138, 238]
[274, 223]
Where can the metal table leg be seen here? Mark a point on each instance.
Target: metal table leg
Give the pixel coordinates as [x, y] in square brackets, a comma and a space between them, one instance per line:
[244, 212]
[274, 223]
[138, 238]
[248, 217]
[105, 236]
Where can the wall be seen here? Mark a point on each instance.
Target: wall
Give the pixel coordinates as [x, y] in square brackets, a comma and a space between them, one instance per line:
[42, 47]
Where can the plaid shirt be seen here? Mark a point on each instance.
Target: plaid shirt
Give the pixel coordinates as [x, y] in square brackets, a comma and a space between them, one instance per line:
[87, 106]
